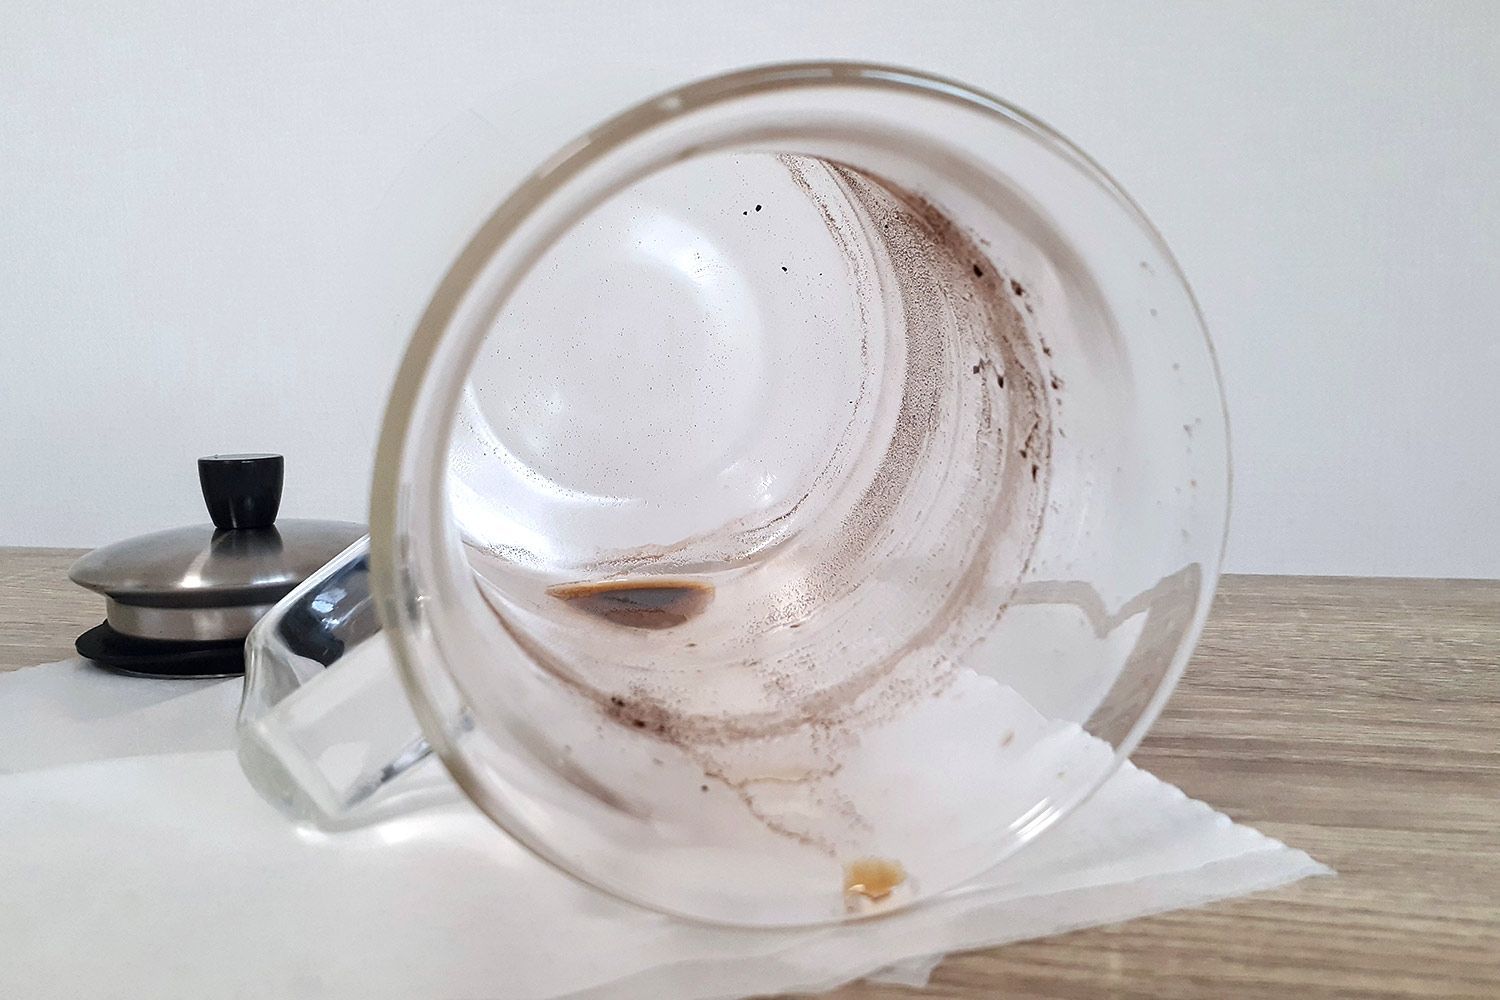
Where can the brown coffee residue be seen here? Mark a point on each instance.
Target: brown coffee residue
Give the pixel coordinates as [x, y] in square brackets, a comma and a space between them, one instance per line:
[958, 313]
[651, 603]
[873, 878]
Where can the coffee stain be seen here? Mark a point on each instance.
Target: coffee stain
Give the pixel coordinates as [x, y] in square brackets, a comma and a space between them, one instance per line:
[651, 603]
[957, 305]
[873, 878]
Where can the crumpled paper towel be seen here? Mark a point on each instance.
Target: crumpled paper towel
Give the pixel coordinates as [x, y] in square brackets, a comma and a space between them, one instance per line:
[137, 861]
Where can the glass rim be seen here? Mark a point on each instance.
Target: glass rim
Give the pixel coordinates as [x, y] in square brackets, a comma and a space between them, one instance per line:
[400, 615]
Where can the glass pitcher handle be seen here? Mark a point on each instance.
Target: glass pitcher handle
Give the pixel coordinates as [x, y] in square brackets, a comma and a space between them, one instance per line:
[326, 733]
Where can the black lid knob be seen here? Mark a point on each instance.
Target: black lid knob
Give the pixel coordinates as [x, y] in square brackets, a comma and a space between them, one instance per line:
[241, 491]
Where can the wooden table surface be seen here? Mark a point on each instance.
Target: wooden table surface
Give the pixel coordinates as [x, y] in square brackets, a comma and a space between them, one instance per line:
[1356, 719]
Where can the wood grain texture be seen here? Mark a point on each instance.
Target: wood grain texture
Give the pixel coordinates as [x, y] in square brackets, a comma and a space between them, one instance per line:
[41, 610]
[1356, 719]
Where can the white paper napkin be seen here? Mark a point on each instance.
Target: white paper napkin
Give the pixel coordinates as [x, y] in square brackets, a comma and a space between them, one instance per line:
[137, 861]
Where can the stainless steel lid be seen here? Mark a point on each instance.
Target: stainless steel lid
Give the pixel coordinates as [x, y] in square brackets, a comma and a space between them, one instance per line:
[210, 583]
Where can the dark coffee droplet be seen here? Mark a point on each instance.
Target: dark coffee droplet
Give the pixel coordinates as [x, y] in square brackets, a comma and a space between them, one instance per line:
[648, 604]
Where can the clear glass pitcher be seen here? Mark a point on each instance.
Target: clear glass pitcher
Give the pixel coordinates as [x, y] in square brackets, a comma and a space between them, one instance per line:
[799, 492]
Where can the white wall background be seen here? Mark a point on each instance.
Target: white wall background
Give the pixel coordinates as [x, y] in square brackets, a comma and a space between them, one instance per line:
[182, 188]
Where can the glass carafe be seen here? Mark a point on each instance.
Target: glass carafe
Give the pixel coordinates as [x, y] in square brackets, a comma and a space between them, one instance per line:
[799, 492]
